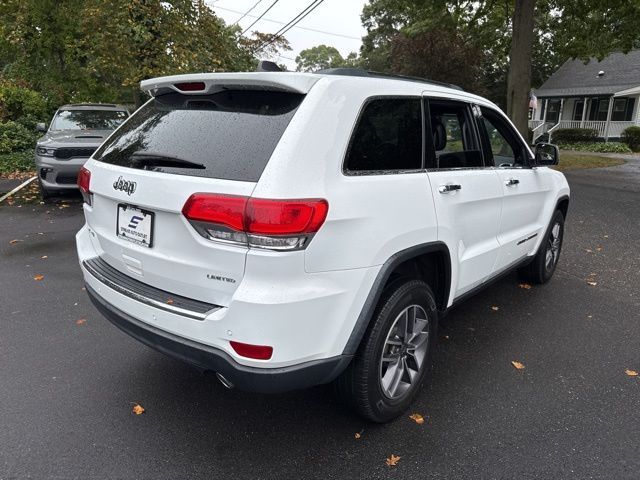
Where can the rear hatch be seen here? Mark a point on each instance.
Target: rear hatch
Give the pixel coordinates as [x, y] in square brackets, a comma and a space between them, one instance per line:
[176, 145]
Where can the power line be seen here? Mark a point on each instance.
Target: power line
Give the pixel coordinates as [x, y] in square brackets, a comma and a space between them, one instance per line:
[247, 12]
[297, 19]
[258, 19]
[296, 26]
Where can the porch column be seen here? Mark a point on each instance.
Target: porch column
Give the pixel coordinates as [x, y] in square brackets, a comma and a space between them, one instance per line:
[546, 109]
[561, 108]
[608, 124]
[584, 112]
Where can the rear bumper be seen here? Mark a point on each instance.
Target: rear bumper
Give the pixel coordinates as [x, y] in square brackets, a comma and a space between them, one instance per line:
[263, 380]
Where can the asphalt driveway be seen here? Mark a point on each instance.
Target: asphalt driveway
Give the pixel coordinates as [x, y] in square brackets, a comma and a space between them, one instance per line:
[67, 386]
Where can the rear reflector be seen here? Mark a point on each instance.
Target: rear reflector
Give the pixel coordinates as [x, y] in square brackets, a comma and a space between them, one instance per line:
[256, 222]
[84, 184]
[257, 352]
[190, 86]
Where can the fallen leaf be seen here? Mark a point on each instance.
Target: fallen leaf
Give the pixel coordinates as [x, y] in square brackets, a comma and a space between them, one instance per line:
[631, 373]
[599, 249]
[589, 251]
[138, 409]
[606, 236]
[526, 286]
[593, 284]
[517, 365]
[44, 257]
[170, 301]
[495, 309]
[392, 461]
[416, 417]
[37, 278]
[82, 321]
[14, 241]
[357, 436]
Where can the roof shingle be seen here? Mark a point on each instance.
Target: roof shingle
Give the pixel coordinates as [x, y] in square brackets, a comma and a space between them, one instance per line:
[574, 78]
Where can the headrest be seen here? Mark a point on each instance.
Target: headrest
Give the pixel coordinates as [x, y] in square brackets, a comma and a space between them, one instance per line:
[439, 134]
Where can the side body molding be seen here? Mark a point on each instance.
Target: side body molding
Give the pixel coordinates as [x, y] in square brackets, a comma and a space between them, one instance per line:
[378, 285]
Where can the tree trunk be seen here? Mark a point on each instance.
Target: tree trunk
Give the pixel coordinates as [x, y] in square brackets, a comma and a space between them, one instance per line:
[519, 79]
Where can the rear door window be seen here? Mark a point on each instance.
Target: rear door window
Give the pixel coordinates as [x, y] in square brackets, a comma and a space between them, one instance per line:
[227, 135]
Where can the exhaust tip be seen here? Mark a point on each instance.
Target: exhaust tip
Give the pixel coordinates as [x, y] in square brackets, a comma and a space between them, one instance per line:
[226, 383]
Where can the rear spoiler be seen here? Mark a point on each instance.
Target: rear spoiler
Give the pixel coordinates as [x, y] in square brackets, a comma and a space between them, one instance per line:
[207, 83]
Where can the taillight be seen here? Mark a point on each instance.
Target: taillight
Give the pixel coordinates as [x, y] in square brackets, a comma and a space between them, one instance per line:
[257, 352]
[256, 222]
[84, 183]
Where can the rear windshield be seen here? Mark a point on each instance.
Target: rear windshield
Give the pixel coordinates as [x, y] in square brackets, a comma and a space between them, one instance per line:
[88, 119]
[228, 135]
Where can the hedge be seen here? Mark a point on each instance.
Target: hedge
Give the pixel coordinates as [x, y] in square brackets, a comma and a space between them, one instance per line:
[574, 135]
[17, 161]
[599, 147]
[631, 136]
[15, 137]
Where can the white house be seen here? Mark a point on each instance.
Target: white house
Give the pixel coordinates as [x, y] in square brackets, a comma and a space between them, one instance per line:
[600, 95]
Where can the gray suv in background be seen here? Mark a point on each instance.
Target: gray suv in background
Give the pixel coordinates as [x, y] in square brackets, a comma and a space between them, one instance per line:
[76, 131]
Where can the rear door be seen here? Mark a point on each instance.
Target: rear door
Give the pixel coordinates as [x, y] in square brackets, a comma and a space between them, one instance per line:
[466, 193]
[174, 146]
[526, 190]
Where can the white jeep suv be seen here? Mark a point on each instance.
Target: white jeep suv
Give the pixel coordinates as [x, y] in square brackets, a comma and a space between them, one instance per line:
[288, 229]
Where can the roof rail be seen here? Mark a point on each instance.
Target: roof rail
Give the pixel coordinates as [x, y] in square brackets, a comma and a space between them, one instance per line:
[358, 72]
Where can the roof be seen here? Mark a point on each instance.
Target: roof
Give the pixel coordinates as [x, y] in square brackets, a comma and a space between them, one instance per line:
[92, 106]
[574, 77]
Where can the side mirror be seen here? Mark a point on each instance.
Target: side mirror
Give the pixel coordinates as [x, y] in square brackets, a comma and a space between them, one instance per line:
[41, 127]
[547, 154]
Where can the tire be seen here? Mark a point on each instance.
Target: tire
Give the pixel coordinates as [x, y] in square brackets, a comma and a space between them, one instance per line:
[541, 269]
[371, 386]
[44, 193]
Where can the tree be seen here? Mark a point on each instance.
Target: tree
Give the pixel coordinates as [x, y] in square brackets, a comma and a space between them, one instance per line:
[519, 80]
[521, 40]
[322, 57]
[99, 50]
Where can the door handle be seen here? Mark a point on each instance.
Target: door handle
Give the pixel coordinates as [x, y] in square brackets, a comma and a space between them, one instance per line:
[449, 188]
[512, 182]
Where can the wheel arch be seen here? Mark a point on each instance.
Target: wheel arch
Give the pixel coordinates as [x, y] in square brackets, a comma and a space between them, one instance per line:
[414, 262]
[563, 205]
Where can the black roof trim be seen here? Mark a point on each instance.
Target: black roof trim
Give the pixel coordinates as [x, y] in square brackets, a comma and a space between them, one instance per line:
[358, 72]
[92, 105]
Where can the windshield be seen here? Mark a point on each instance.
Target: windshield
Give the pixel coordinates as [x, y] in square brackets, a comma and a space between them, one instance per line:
[88, 119]
[228, 135]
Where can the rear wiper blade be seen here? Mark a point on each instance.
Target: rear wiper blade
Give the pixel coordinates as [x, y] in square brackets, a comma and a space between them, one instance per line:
[148, 159]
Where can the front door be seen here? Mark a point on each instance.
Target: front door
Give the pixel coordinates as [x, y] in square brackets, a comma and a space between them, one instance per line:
[526, 190]
[467, 194]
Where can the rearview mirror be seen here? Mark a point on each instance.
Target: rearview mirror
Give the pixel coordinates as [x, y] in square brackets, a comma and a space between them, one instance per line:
[547, 154]
[41, 127]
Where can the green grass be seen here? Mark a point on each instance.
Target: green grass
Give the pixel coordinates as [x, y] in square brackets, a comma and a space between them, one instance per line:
[571, 161]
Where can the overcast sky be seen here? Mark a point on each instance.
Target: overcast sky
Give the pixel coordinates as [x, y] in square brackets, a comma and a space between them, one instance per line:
[340, 19]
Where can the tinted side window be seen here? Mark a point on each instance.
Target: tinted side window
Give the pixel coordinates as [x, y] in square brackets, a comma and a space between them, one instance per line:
[229, 135]
[501, 141]
[388, 136]
[452, 135]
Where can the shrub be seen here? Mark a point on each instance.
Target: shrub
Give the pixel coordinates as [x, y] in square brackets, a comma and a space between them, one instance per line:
[22, 105]
[599, 147]
[15, 137]
[631, 136]
[17, 162]
[574, 135]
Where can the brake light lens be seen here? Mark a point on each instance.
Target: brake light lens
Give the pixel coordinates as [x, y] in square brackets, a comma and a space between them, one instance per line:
[84, 184]
[257, 352]
[256, 222]
[190, 86]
